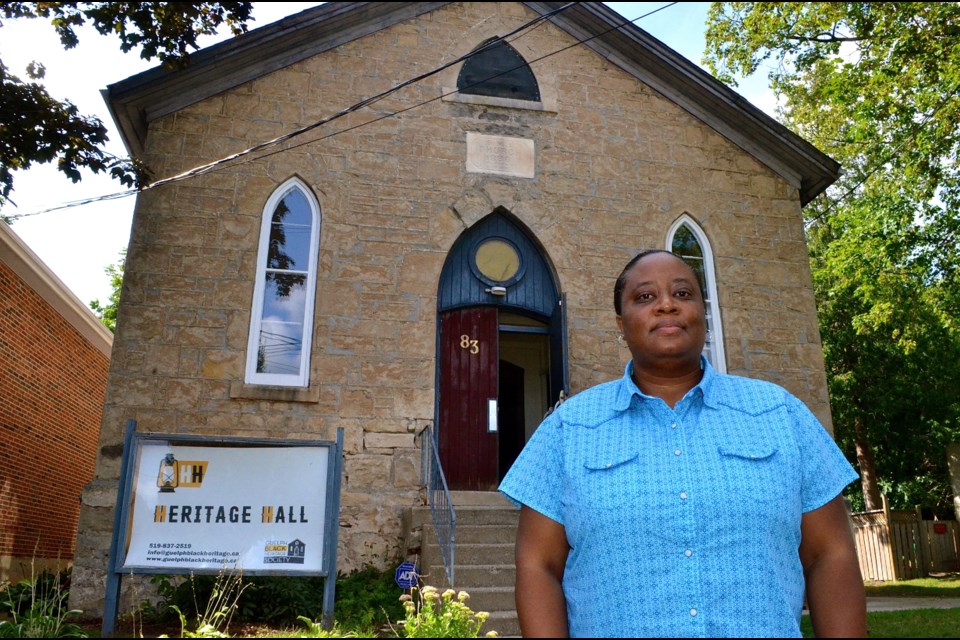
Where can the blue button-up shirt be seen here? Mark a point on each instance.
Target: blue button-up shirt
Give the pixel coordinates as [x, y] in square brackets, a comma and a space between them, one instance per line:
[686, 521]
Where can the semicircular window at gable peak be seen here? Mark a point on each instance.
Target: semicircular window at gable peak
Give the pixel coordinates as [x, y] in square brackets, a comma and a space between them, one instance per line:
[498, 71]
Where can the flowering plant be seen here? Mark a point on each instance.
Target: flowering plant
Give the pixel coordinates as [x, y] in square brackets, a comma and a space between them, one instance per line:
[430, 614]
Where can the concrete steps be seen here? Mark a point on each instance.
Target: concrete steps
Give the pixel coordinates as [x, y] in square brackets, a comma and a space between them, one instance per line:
[483, 556]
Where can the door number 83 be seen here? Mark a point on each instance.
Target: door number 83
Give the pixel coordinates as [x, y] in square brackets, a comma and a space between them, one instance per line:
[467, 343]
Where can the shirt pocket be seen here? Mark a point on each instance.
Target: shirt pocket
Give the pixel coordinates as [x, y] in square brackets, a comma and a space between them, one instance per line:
[755, 472]
[605, 481]
[609, 461]
[602, 491]
[621, 510]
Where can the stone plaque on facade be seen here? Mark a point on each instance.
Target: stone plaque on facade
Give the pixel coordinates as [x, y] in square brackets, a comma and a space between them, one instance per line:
[500, 155]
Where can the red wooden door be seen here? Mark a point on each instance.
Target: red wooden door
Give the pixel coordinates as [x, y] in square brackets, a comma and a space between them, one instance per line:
[469, 357]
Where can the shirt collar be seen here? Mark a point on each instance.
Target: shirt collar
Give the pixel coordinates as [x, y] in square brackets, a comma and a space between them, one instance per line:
[628, 388]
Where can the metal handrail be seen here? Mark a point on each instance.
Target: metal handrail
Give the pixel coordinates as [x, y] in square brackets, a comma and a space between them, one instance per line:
[441, 505]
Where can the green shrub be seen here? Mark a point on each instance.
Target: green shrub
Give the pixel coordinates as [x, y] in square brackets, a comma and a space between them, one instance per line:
[275, 600]
[38, 608]
[214, 622]
[18, 598]
[281, 599]
[365, 599]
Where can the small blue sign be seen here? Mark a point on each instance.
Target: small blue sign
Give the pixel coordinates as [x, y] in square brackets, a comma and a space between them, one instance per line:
[407, 576]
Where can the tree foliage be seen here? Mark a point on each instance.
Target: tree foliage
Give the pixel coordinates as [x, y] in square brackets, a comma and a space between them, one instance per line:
[37, 128]
[876, 86]
[108, 312]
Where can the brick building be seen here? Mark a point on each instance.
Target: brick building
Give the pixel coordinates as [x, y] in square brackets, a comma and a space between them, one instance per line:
[54, 356]
[444, 251]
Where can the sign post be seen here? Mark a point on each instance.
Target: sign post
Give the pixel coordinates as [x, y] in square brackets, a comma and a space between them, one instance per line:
[202, 505]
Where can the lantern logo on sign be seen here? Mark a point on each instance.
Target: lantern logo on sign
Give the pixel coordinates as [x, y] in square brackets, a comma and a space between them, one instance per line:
[180, 474]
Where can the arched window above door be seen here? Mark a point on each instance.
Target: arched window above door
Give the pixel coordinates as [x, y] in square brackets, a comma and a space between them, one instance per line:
[281, 319]
[498, 71]
[686, 239]
[498, 262]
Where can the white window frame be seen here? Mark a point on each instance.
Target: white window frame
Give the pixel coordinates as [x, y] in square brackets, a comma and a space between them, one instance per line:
[718, 357]
[301, 379]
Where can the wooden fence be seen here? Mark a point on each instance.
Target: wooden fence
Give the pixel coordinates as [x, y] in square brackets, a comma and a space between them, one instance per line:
[900, 545]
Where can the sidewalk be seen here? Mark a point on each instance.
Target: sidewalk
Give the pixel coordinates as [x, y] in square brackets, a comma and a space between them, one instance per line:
[876, 603]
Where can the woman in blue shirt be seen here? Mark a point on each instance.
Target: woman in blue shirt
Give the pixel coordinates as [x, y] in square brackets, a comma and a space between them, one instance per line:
[679, 502]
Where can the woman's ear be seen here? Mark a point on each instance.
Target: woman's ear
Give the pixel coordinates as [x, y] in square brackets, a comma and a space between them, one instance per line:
[619, 324]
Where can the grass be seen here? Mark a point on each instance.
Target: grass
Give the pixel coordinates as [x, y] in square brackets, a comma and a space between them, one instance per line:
[916, 623]
[947, 586]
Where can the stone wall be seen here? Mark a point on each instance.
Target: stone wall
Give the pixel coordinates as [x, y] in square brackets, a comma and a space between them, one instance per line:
[616, 164]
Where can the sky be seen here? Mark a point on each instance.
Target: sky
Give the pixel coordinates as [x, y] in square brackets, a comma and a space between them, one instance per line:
[78, 243]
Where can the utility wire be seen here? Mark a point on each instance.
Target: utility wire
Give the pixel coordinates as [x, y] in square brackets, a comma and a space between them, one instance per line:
[75, 203]
[359, 105]
[355, 107]
[280, 139]
[458, 90]
[207, 168]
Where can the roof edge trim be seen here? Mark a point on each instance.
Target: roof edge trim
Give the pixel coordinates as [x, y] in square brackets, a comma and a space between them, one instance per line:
[15, 253]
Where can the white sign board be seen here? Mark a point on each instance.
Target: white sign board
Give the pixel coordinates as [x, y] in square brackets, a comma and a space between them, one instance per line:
[214, 507]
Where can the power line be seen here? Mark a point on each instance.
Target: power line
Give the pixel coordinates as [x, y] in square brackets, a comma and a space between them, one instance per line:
[76, 203]
[443, 95]
[243, 156]
[354, 107]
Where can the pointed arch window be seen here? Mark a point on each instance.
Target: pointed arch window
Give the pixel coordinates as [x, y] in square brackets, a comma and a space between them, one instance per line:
[281, 322]
[498, 71]
[686, 239]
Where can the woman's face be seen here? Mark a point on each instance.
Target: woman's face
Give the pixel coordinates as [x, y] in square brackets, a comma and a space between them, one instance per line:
[662, 315]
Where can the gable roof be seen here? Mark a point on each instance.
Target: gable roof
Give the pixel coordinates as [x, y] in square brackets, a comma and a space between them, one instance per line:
[20, 259]
[140, 99]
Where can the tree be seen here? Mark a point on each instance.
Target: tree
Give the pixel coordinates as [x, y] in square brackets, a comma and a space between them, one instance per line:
[108, 312]
[891, 351]
[36, 128]
[875, 85]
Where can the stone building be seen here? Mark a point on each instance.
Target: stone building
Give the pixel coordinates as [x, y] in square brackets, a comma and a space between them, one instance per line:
[54, 356]
[444, 252]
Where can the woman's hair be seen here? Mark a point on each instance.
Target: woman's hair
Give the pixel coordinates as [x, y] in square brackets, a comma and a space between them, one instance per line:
[622, 278]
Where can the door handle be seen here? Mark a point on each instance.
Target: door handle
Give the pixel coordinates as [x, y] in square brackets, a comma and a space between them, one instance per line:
[492, 409]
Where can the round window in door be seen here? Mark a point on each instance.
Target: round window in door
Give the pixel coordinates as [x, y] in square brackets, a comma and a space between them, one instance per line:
[497, 261]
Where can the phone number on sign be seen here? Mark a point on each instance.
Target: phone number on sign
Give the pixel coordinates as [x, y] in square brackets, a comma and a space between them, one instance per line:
[170, 545]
